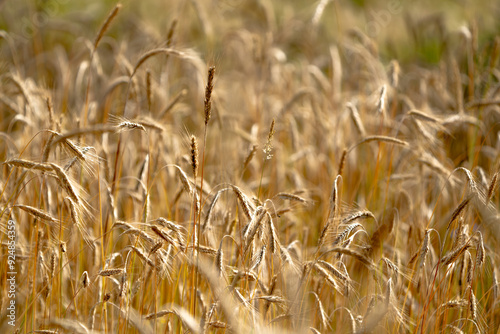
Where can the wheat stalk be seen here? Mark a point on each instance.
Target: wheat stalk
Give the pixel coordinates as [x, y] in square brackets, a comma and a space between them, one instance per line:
[37, 213]
[29, 165]
[66, 183]
[111, 272]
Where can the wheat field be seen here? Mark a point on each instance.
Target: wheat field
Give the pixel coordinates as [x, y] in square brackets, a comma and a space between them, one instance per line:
[241, 166]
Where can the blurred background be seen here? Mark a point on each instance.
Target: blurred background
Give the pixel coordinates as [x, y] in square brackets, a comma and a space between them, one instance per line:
[406, 30]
